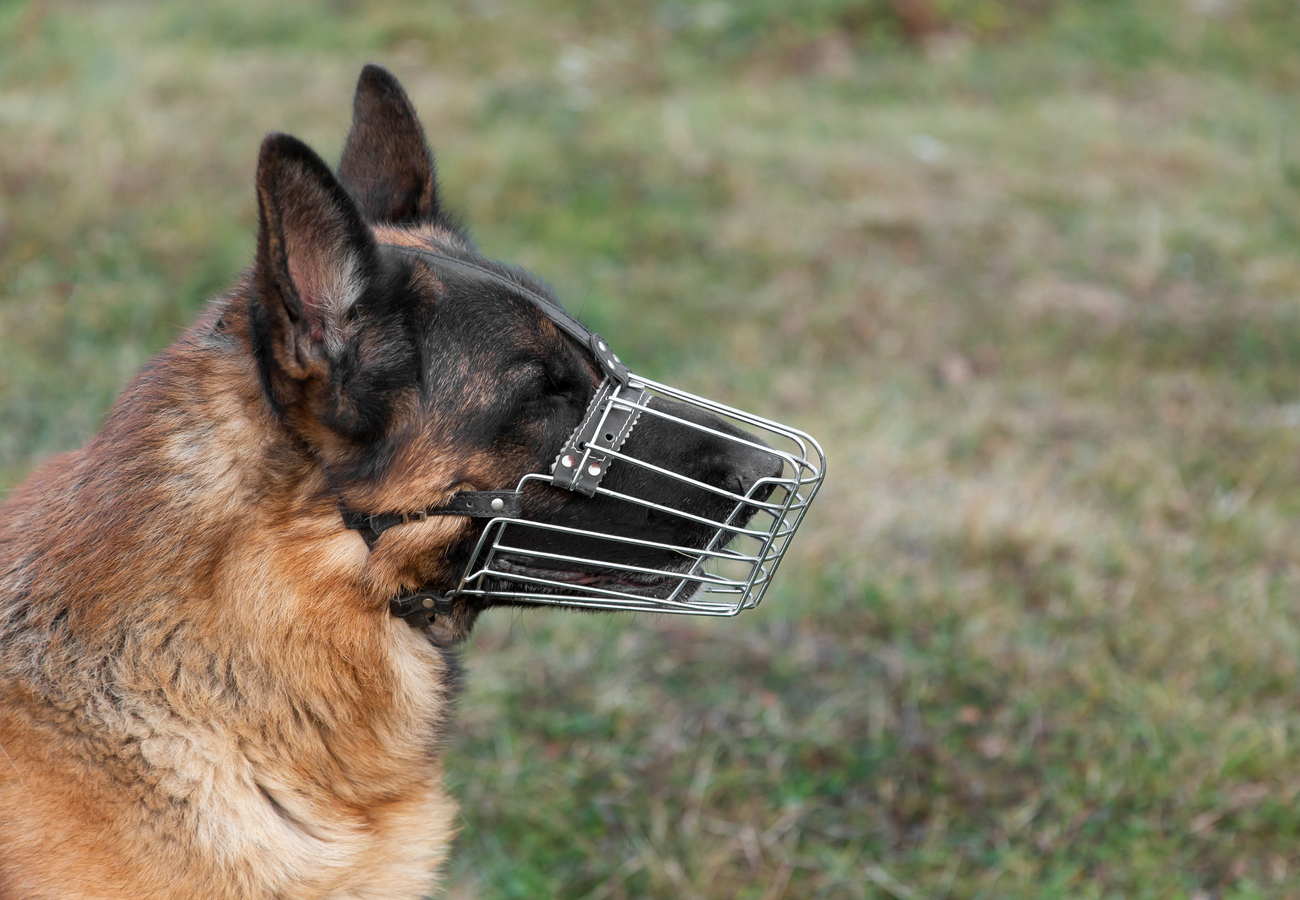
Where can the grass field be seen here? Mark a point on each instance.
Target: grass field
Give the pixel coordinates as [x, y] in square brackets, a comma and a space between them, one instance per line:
[1029, 269]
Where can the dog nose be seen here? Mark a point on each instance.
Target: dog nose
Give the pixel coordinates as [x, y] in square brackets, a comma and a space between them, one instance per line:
[753, 466]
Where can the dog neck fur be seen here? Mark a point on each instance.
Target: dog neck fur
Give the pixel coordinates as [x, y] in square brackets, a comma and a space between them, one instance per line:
[279, 650]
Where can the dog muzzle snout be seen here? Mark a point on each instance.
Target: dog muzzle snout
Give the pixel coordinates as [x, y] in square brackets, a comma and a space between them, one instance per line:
[704, 546]
[700, 530]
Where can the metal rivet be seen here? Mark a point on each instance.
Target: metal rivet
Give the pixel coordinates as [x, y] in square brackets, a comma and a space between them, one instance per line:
[428, 603]
[601, 345]
[593, 469]
[567, 461]
[498, 504]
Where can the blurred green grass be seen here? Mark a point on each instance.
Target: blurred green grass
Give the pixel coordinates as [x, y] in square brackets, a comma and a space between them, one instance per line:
[1028, 268]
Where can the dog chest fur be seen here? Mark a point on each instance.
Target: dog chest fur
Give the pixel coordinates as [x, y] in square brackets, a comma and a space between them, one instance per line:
[232, 718]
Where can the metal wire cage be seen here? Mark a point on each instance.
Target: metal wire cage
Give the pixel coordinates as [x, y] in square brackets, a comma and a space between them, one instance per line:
[727, 574]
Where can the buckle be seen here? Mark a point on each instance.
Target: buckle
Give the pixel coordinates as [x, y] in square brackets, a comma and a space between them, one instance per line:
[421, 608]
[608, 361]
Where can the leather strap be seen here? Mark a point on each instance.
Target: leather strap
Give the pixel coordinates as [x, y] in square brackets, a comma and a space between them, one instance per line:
[420, 608]
[582, 462]
[475, 504]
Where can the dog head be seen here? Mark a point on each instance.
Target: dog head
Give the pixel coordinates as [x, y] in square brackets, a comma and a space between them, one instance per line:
[411, 367]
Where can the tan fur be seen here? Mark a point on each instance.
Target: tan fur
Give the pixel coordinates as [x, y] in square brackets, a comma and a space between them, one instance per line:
[202, 691]
[258, 730]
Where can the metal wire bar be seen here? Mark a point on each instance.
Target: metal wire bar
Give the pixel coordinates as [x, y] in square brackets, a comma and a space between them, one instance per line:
[613, 539]
[620, 567]
[643, 408]
[729, 573]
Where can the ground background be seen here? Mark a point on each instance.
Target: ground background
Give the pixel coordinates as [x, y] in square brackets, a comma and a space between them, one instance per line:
[1029, 268]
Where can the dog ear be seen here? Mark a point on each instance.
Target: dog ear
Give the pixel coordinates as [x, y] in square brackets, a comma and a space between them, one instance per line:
[387, 164]
[315, 257]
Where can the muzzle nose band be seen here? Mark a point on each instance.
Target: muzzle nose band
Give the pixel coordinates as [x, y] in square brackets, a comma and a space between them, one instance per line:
[585, 457]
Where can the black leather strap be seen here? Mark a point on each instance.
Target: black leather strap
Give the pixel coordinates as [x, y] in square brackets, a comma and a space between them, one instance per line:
[476, 504]
[582, 462]
[420, 608]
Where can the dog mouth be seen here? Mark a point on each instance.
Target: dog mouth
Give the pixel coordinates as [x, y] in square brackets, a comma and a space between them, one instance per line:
[563, 584]
[629, 560]
[692, 520]
[557, 581]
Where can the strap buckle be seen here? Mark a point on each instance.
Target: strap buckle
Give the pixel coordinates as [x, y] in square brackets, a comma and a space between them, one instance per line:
[422, 607]
[609, 362]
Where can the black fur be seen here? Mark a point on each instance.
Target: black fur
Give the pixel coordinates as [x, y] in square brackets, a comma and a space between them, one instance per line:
[488, 372]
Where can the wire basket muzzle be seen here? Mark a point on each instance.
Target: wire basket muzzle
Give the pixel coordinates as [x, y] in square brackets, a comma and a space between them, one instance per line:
[714, 548]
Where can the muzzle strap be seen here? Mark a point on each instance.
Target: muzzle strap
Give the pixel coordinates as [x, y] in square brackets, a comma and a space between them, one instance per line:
[475, 504]
[584, 459]
[580, 466]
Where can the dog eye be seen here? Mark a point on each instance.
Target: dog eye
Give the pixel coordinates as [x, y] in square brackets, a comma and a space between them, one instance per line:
[558, 384]
[529, 384]
[550, 382]
[536, 380]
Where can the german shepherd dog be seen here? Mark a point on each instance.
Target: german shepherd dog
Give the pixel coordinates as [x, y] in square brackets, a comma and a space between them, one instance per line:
[202, 690]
